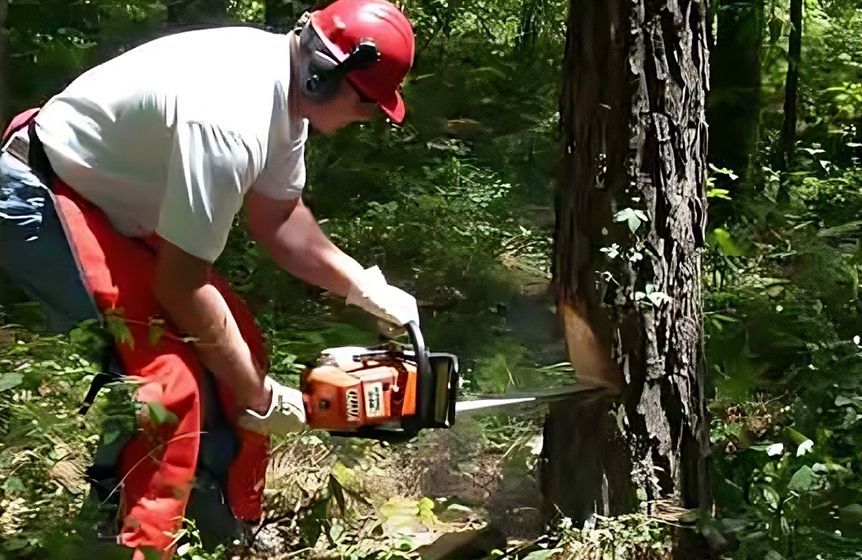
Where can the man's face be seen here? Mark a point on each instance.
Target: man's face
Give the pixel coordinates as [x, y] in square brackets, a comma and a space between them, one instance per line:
[344, 108]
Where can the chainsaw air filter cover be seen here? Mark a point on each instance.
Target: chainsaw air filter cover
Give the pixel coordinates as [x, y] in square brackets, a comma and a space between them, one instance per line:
[383, 392]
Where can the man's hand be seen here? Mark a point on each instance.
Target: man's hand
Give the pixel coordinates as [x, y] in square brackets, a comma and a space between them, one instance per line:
[371, 292]
[286, 412]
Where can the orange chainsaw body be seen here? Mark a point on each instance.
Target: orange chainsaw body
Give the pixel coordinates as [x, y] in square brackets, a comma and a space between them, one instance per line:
[381, 392]
[348, 396]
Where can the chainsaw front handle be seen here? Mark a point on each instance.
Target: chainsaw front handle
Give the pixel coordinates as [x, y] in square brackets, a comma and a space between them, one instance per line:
[426, 385]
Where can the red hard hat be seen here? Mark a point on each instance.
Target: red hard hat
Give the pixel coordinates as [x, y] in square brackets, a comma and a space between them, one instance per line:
[344, 23]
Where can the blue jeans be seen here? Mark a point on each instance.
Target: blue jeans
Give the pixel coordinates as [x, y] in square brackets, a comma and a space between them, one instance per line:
[34, 251]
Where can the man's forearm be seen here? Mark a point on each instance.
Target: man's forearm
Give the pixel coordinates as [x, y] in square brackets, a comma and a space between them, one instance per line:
[203, 314]
[301, 248]
[291, 235]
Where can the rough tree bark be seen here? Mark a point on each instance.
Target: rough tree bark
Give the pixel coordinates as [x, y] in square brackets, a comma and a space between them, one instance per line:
[791, 88]
[735, 97]
[635, 140]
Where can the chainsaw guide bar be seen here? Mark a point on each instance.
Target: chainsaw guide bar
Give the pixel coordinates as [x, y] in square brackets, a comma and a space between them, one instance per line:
[392, 391]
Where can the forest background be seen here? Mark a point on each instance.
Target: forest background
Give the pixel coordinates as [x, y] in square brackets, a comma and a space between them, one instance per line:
[457, 207]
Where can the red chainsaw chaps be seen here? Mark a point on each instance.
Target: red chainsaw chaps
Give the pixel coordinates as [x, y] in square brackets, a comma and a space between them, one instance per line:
[20, 121]
[158, 466]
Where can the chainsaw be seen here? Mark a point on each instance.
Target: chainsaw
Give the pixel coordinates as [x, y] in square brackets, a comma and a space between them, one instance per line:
[392, 391]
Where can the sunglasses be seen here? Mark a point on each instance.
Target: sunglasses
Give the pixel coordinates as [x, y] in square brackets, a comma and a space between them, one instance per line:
[365, 99]
[362, 96]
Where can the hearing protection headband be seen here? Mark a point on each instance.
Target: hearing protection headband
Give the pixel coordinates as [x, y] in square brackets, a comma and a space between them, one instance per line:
[323, 74]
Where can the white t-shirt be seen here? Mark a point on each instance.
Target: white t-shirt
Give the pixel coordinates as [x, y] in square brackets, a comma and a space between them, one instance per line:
[168, 137]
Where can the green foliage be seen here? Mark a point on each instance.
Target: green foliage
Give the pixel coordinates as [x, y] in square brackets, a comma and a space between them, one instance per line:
[783, 313]
[46, 445]
[190, 546]
[635, 536]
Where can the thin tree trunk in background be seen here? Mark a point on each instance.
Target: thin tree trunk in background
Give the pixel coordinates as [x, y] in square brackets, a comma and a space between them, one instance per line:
[735, 97]
[282, 14]
[531, 11]
[196, 13]
[791, 88]
[4, 65]
[632, 112]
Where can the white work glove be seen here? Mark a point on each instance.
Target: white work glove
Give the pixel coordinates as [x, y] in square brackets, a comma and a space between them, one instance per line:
[286, 412]
[393, 305]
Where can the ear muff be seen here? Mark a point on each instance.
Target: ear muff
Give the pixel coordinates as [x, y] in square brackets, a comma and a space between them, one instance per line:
[322, 75]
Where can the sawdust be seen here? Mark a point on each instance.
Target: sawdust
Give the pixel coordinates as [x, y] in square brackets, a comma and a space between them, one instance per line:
[451, 470]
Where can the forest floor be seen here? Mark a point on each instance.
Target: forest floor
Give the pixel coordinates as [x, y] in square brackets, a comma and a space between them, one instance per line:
[448, 494]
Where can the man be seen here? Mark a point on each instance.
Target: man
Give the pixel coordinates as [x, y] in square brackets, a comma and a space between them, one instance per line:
[170, 139]
[173, 136]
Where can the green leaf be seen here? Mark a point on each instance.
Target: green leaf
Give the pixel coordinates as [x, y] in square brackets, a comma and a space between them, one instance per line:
[727, 172]
[348, 478]
[725, 243]
[716, 192]
[426, 512]
[795, 437]
[13, 484]
[841, 400]
[110, 436]
[633, 218]
[336, 531]
[851, 513]
[116, 326]
[775, 449]
[156, 331]
[311, 524]
[16, 543]
[10, 380]
[804, 447]
[658, 298]
[802, 480]
[400, 512]
[161, 415]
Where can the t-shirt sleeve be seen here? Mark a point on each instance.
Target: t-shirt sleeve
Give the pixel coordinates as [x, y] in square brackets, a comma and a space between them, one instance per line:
[208, 174]
[283, 177]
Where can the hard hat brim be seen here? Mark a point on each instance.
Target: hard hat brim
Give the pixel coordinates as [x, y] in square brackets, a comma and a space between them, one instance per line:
[392, 104]
[393, 107]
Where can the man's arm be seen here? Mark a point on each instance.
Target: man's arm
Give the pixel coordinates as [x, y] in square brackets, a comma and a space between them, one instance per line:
[197, 308]
[290, 234]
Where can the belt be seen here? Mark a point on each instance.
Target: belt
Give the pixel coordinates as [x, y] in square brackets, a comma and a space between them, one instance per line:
[18, 146]
[25, 146]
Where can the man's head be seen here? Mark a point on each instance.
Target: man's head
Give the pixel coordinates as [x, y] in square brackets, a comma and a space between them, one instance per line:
[356, 53]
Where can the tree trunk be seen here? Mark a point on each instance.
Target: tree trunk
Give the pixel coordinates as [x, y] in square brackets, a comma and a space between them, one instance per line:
[4, 65]
[630, 211]
[528, 25]
[791, 88]
[735, 98]
[282, 14]
[196, 13]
